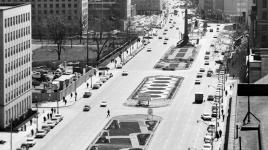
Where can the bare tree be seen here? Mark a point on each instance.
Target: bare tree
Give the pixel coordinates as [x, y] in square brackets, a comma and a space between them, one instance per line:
[57, 32]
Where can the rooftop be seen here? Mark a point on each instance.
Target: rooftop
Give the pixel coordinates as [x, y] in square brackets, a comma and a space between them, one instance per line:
[5, 6]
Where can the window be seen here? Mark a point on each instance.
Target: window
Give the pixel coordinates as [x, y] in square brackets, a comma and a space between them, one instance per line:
[264, 15]
[5, 23]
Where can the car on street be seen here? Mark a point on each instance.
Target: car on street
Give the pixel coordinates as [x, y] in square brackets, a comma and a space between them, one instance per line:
[206, 57]
[87, 94]
[210, 30]
[164, 33]
[30, 141]
[166, 38]
[210, 98]
[199, 75]
[160, 37]
[207, 146]
[119, 66]
[2, 142]
[103, 79]
[177, 28]
[149, 49]
[124, 73]
[197, 81]
[207, 52]
[95, 86]
[46, 128]
[211, 127]
[165, 42]
[86, 108]
[206, 63]
[51, 124]
[99, 83]
[59, 116]
[208, 138]
[103, 104]
[212, 45]
[206, 117]
[215, 37]
[202, 70]
[40, 134]
[166, 30]
[56, 120]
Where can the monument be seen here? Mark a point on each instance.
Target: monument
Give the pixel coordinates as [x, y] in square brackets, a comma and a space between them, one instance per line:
[185, 39]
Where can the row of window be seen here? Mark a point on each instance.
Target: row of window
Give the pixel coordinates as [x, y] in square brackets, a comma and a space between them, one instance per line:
[17, 91]
[51, 12]
[17, 48]
[13, 35]
[17, 77]
[17, 19]
[18, 109]
[54, 5]
[17, 63]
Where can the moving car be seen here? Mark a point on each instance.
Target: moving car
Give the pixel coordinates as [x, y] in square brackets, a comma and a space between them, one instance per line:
[210, 30]
[166, 38]
[149, 49]
[103, 104]
[86, 108]
[202, 70]
[165, 42]
[199, 75]
[160, 37]
[206, 57]
[87, 94]
[40, 134]
[206, 63]
[197, 81]
[212, 45]
[177, 28]
[124, 73]
[164, 33]
[206, 116]
[207, 52]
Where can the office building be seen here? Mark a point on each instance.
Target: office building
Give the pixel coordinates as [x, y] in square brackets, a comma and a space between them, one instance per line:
[74, 12]
[148, 7]
[113, 14]
[16, 62]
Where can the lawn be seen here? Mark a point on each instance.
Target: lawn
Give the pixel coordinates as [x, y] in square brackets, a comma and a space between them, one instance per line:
[125, 129]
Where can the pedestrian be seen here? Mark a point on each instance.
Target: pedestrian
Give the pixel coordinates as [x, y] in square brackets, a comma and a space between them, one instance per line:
[108, 113]
[217, 135]
[221, 111]
[87, 84]
[31, 122]
[47, 116]
[223, 117]
[65, 101]
[71, 95]
[32, 132]
[226, 92]
[50, 115]
[233, 76]
[51, 110]
[220, 133]
[230, 87]
[54, 110]
[44, 119]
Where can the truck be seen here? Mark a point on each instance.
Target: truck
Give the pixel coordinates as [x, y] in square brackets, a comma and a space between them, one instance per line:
[199, 97]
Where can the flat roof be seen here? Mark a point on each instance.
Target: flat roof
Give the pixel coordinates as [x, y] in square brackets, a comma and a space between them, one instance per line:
[9, 5]
[5, 7]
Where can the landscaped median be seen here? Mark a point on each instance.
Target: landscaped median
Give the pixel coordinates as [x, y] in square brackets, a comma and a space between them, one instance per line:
[159, 89]
[128, 132]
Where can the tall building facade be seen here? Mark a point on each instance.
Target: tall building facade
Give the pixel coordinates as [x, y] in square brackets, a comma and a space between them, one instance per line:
[16, 62]
[74, 12]
[112, 14]
[148, 7]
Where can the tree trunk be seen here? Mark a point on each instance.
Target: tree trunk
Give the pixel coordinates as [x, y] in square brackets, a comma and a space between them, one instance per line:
[59, 51]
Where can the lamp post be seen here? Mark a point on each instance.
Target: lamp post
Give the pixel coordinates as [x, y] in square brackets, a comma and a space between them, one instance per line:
[75, 95]
[37, 113]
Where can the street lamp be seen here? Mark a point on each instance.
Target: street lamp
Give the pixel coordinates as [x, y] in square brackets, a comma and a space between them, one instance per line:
[75, 95]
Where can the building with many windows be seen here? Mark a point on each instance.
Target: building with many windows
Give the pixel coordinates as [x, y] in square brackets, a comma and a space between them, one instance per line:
[148, 7]
[74, 12]
[16, 62]
[112, 14]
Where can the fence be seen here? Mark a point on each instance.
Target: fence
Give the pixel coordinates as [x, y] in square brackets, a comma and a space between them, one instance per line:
[54, 96]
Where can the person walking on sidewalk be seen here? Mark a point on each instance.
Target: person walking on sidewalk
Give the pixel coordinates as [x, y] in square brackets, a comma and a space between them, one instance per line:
[220, 133]
[71, 95]
[108, 113]
[87, 85]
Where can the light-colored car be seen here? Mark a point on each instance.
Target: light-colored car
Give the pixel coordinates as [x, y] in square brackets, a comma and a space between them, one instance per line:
[96, 86]
[124, 73]
[197, 81]
[206, 57]
[56, 120]
[59, 116]
[87, 94]
[202, 70]
[103, 104]
[119, 66]
[165, 42]
[206, 116]
[30, 141]
[51, 124]
[86, 108]
[207, 146]
[40, 134]
[99, 83]
[208, 138]
[206, 63]
[103, 79]
[149, 49]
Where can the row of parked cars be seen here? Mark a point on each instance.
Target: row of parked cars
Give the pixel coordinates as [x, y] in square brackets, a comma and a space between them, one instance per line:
[102, 80]
[46, 127]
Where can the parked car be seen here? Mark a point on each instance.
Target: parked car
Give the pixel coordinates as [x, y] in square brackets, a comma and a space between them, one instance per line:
[41, 134]
[2, 142]
[207, 146]
[51, 124]
[166, 38]
[206, 63]
[166, 30]
[46, 128]
[206, 116]
[164, 33]
[212, 45]
[165, 42]
[208, 138]
[210, 98]
[103, 104]
[210, 30]
[103, 79]
[96, 86]
[87, 94]
[59, 116]
[206, 58]
[86, 108]
[30, 141]
[177, 28]
[199, 75]
[149, 49]
[160, 37]
[207, 52]
[124, 73]
[119, 66]
[56, 120]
